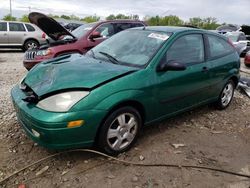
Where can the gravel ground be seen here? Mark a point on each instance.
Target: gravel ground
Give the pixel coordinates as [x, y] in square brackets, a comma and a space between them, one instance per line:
[206, 137]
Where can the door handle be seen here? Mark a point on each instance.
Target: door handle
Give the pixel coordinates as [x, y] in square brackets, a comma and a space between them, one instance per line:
[205, 69]
[5, 34]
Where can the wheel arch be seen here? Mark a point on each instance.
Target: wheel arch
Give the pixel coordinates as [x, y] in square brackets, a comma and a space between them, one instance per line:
[235, 79]
[131, 103]
[27, 39]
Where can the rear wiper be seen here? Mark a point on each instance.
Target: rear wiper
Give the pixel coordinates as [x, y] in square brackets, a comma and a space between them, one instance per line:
[110, 57]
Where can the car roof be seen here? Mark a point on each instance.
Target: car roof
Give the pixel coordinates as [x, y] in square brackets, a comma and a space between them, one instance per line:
[14, 22]
[175, 29]
[118, 21]
[169, 29]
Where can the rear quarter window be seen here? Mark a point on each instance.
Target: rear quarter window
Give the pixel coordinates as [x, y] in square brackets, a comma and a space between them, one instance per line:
[29, 27]
[3, 26]
[218, 47]
[16, 27]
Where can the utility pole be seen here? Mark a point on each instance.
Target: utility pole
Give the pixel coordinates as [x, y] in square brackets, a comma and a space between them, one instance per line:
[10, 10]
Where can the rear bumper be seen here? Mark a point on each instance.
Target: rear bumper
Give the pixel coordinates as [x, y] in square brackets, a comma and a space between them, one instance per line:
[49, 129]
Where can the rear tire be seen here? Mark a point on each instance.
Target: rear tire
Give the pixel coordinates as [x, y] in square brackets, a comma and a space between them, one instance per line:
[226, 95]
[30, 44]
[119, 131]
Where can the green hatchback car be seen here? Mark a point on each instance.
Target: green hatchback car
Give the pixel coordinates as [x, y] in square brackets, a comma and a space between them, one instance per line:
[133, 79]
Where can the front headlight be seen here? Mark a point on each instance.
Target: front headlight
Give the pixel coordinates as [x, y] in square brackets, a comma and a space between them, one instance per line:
[61, 102]
[44, 52]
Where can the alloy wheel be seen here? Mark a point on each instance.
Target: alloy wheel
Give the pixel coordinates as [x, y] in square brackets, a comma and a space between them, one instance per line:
[227, 94]
[122, 131]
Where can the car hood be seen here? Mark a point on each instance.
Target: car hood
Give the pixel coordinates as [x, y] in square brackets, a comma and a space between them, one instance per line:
[48, 25]
[73, 72]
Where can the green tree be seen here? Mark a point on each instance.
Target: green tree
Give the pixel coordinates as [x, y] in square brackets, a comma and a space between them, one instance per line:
[209, 23]
[24, 18]
[196, 21]
[73, 17]
[65, 17]
[90, 19]
[171, 20]
[53, 16]
[8, 17]
[110, 17]
[121, 16]
[153, 20]
[135, 17]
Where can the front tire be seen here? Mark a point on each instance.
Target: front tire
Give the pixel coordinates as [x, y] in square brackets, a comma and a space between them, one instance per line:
[226, 95]
[120, 130]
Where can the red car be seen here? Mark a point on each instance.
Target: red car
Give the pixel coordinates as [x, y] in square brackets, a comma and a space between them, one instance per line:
[80, 40]
[247, 59]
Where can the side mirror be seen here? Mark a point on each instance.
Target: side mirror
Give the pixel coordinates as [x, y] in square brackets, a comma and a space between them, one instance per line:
[171, 66]
[95, 35]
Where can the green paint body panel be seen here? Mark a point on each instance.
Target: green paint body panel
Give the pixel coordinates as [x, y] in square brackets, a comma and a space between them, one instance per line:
[161, 94]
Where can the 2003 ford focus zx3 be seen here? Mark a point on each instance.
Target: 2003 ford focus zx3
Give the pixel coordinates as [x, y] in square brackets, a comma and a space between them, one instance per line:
[135, 78]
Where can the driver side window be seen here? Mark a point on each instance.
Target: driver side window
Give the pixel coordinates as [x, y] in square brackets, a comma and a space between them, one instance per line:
[187, 49]
[105, 30]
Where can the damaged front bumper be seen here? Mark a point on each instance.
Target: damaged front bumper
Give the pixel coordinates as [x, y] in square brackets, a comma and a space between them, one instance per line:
[50, 130]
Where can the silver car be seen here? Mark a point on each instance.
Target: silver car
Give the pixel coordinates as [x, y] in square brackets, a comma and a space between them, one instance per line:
[19, 34]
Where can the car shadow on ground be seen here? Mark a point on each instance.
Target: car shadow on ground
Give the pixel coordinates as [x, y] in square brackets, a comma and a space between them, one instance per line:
[151, 131]
[11, 51]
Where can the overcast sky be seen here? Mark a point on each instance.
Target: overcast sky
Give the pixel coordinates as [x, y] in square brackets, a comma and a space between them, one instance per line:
[229, 11]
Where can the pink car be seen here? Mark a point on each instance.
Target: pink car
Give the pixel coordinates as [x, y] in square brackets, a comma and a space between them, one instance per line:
[80, 40]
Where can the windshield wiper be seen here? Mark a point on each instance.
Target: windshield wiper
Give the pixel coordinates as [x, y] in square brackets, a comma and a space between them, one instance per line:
[93, 54]
[110, 57]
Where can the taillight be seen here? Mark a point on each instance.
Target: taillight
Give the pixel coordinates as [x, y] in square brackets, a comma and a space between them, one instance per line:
[230, 42]
[43, 35]
[247, 57]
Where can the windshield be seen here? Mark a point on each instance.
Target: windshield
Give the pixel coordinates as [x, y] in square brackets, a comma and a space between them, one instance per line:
[131, 47]
[82, 30]
[232, 36]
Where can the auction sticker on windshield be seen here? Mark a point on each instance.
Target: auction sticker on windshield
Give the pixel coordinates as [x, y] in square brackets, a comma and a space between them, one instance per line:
[158, 36]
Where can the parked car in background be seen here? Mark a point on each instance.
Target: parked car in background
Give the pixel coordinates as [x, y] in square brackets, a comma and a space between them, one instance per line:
[240, 42]
[137, 77]
[20, 35]
[247, 59]
[227, 28]
[69, 24]
[79, 41]
[246, 30]
[72, 26]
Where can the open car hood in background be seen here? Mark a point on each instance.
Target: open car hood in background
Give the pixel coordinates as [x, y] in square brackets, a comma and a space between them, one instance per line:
[48, 25]
[245, 29]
